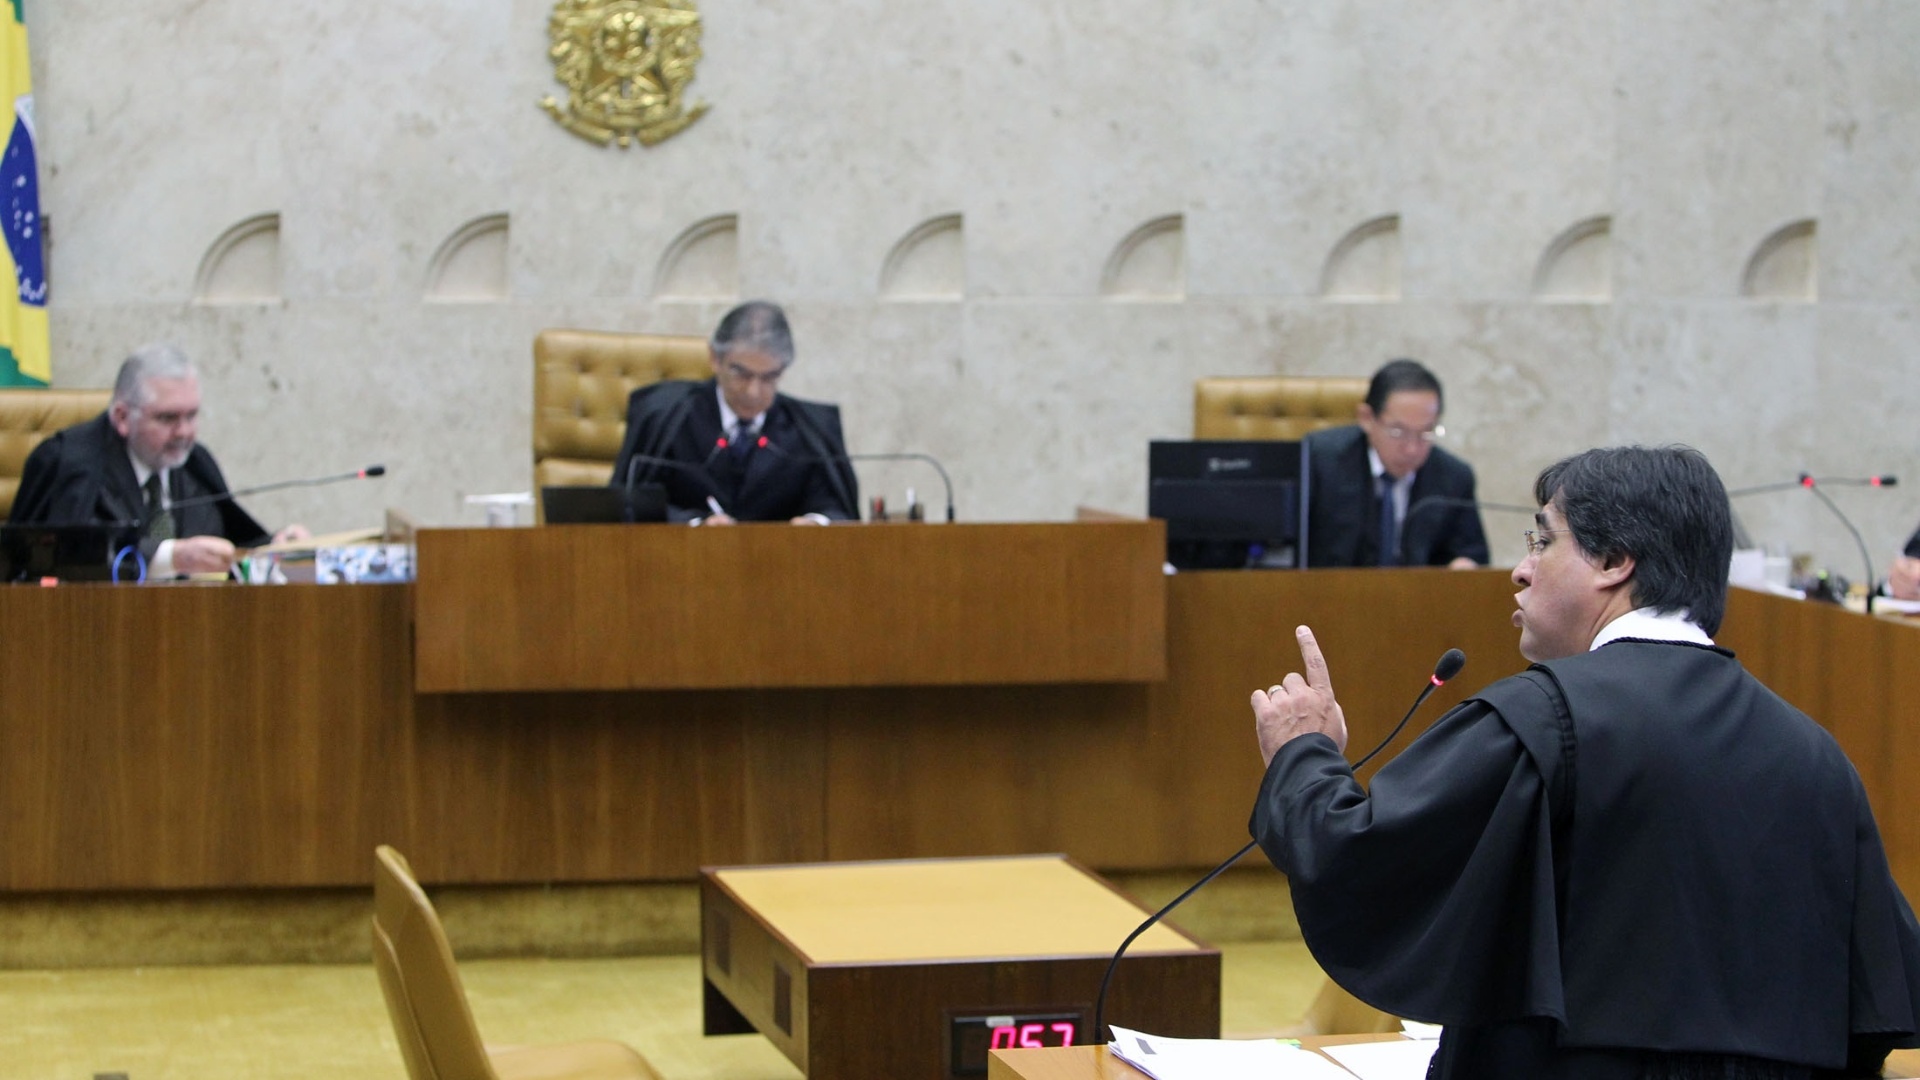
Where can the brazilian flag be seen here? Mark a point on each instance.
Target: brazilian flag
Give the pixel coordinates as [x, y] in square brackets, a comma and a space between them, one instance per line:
[24, 354]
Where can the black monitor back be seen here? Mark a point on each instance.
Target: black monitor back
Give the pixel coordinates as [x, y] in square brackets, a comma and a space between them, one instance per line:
[1230, 503]
[67, 552]
[600, 504]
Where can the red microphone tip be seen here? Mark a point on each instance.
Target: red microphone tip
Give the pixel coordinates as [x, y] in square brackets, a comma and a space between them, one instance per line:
[1436, 680]
[762, 444]
[1806, 481]
[721, 442]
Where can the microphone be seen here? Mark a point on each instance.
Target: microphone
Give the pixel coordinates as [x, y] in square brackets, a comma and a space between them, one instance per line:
[697, 470]
[1866, 557]
[1449, 665]
[945, 480]
[367, 473]
[1813, 484]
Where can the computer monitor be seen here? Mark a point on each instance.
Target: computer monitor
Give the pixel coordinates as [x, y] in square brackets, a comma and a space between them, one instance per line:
[598, 504]
[1230, 503]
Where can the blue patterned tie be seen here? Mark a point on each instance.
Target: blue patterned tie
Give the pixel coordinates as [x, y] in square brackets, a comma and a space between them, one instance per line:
[1389, 525]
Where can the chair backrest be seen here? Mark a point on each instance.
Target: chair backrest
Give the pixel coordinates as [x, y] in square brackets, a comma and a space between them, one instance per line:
[581, 382]
[1274, 406]
[29, 416]
[428, 1006]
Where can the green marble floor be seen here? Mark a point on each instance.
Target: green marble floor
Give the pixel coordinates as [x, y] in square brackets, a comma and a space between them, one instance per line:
[301, 1021]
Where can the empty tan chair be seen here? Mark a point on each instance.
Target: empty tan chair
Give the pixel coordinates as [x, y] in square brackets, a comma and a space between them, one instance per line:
[29, 416]
[1274, 406]
[429, 1007]
[581, 382]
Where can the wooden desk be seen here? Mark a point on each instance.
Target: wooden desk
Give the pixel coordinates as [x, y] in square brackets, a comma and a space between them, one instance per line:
[615, 607]
[1094, 1063]
[861, 969]
[222, 737]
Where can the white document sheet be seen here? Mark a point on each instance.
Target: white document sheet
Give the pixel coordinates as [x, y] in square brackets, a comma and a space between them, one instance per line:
[1220, 1059]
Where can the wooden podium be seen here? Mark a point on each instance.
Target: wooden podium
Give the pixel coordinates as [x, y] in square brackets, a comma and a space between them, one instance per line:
[916, 968]
[621, 607]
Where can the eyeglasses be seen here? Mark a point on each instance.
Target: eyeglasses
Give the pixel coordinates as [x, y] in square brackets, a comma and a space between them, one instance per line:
[748, 377]
[1400, 434]
[1537, 539]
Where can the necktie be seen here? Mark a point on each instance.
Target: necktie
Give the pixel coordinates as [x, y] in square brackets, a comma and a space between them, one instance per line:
[159, 518]
[1389, 525]
[741, 441]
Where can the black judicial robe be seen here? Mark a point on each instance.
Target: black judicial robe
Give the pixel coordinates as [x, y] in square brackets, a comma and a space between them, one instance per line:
[1636, 862]
[82, 476]
[803, 469]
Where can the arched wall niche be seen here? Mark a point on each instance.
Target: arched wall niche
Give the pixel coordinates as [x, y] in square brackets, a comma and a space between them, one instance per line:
[1786, 265]
[702, 263]
[1150, 263]
[243, 265]
[1365, 265]
[471, 266]
[1577, 266]
[929, 263]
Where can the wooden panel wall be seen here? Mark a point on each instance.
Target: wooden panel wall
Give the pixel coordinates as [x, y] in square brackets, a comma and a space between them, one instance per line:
[161, 738]
[612, 607]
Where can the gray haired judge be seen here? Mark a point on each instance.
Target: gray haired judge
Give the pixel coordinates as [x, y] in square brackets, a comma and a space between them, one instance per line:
[132, 464]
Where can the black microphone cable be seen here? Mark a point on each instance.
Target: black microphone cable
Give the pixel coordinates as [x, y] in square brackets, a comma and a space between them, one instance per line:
[1450, 664]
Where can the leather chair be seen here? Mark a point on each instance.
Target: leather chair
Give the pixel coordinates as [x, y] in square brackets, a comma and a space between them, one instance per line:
[581, 382]
[431, 1020]
[1274, 406]
[27, 417]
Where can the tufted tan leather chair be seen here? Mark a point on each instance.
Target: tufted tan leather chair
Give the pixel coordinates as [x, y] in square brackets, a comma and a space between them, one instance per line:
[1274, 406]
[29, 416]
[428, 1006]
[581, 381]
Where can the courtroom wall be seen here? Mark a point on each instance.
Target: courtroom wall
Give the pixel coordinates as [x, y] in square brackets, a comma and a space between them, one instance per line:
[1012, 234]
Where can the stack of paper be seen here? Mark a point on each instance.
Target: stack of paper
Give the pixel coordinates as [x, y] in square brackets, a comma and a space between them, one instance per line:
[1220, 1059]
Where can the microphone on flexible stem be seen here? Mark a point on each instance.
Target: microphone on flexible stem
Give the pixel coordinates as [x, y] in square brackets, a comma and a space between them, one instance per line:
[1813, 485]
[1450, 664]
[945, 480]
[367, 473]
[698, 470]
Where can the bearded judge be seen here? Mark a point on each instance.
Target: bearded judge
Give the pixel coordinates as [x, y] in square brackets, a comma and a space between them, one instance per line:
[1631, 861]
[131, 465]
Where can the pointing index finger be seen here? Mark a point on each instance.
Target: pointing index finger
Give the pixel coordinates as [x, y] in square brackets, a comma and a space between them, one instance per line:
[1317, 676]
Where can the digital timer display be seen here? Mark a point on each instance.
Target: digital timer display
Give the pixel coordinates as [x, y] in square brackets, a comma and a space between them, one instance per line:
[970, 1037]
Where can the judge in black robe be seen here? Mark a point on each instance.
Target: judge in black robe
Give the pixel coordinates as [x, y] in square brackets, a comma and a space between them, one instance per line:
[82, 475]
[801, 468]
[1631, 862]
[732, 448]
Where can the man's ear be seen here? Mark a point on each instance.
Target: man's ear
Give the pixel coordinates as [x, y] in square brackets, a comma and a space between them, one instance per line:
[1363, 412]
[1617, 570]
[120, 415]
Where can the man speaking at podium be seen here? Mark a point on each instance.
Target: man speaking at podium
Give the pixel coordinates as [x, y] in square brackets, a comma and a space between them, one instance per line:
[1631, 861]
[131, 464]
[732, 448]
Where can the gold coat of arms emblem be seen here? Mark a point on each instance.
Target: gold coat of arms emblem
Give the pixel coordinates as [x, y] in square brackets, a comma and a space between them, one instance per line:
[626, 65]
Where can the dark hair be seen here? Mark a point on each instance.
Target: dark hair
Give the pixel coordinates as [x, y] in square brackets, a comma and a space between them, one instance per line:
[759, 325]
[1664, 507]
[1401, 374]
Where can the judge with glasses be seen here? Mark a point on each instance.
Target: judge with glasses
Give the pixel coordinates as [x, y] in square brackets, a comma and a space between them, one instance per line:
[1383, 493]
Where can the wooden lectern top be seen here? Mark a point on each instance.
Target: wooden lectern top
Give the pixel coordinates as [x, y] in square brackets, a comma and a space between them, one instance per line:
[957, 909]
